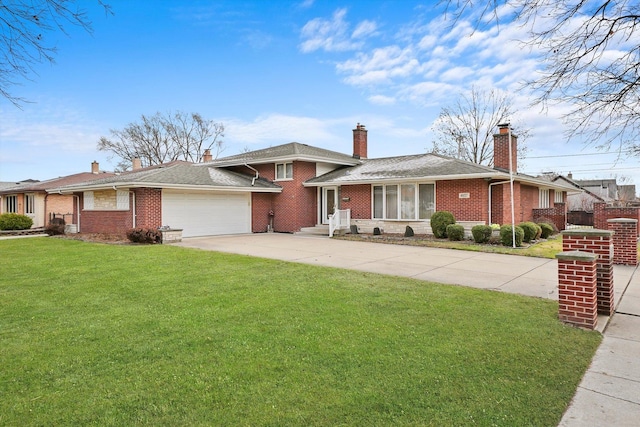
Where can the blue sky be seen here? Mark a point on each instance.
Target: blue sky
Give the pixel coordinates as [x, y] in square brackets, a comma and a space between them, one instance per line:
[275, 72]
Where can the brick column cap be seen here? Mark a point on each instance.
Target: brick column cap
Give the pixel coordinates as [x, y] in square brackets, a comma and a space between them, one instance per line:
[587, 232]
[577, 256]
[631, 220]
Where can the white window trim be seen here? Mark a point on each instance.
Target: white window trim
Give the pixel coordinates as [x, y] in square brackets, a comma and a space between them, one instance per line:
[416, 211]
[558, 197]
[284, 164]
[29, 204]
[543, 198]
[88, 202]
[5, 202]
[122, 200]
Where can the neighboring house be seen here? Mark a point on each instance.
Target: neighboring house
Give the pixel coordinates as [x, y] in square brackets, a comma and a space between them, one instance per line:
[293, 186]
[597, 191]
[37, 199]
[582, 199]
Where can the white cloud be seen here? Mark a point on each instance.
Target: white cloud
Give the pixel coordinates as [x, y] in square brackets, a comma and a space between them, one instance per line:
[381, 66]
[333, 35]
[306, 4]
[382, 100]
[364, 29]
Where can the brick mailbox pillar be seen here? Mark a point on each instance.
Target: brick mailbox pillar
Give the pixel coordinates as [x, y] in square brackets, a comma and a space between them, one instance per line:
[598, 242]
[577, 289]
[625, 240]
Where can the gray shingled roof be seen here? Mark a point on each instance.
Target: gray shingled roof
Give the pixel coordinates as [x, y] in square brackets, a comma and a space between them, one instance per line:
[429, 166]
[179, 174]
[291, 151]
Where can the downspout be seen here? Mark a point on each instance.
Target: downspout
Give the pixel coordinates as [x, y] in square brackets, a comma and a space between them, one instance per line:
[78, 205]
[513, 214]
[253, 181]
[134, 207]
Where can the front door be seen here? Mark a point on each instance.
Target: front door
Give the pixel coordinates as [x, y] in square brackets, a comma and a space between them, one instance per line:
[329, 202]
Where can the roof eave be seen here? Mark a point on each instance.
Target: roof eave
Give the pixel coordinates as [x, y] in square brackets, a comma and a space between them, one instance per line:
[287, 158]
[129, 185]
[401, 180]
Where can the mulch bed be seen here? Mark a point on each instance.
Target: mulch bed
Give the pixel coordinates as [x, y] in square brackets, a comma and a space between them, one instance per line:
[116, 239]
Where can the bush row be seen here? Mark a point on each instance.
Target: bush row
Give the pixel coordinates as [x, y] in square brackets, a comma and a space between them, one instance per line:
[14, 221]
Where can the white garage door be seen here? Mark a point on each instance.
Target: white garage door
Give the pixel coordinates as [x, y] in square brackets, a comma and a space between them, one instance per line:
[207, 214]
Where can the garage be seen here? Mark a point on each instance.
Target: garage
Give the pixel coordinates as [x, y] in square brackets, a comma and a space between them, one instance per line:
[207, 214]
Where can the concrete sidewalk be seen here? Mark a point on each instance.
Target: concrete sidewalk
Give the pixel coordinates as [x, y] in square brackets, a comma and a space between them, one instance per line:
[609, 393]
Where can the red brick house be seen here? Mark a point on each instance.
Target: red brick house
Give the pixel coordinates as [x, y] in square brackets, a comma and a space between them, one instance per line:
[293, 186]
[40, 201]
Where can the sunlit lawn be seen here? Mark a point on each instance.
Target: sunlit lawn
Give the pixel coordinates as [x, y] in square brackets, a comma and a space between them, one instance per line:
[96, 334]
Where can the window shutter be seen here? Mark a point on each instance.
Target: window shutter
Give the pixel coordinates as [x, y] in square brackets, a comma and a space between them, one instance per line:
[88, 200]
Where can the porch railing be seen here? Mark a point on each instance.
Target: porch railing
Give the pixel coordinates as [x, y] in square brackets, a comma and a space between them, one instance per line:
[340, 220]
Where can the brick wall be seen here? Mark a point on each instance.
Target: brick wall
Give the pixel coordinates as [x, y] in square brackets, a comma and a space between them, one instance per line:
[261, 204]
[359, 200]
[577, 289]
[598, 242]
[625, 240]
[557, 215]
[296, 206]
[61, 205]
[148, 207]
[473, 208]
[529, 200]
[109, 222]
[602, 213]
[501, 203]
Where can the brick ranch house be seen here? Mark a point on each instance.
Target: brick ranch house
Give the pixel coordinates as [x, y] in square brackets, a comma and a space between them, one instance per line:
[31, 197]
[292, 186]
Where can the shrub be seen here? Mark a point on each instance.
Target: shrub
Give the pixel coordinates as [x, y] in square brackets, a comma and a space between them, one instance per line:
[545, 220]
[13, 221]
[55, 228]
[506, 237]
[538, 231]
[530, 231]
[546, 230]
[481, 233]
[144, 235]
[455, 232]
[439, 222]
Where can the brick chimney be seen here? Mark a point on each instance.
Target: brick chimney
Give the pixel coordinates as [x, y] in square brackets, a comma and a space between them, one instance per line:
[207, 157]
[95, 167]
[501, 149]
[136, 163]
[360, 142]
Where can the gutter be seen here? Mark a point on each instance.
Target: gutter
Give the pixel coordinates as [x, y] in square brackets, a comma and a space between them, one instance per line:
[253, 181]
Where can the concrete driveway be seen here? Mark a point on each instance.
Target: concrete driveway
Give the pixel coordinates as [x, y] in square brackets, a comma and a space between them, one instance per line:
[522, 275]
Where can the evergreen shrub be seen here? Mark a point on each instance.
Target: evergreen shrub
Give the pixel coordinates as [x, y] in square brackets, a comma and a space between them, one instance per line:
[455, 232]
[506, 237]
[481, 233]
[439, 222]
[14, 221]
[546, 230]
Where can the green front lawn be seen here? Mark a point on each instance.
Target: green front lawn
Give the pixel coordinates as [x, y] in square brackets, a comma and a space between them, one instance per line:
[95, 334]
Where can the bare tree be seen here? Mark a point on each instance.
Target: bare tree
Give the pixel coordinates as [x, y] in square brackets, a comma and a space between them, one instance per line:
[465, 129]
[164, 138]
[24, 42]
[590, 56]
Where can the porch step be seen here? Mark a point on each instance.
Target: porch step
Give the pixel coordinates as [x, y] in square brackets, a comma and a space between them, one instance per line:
[318, 230]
